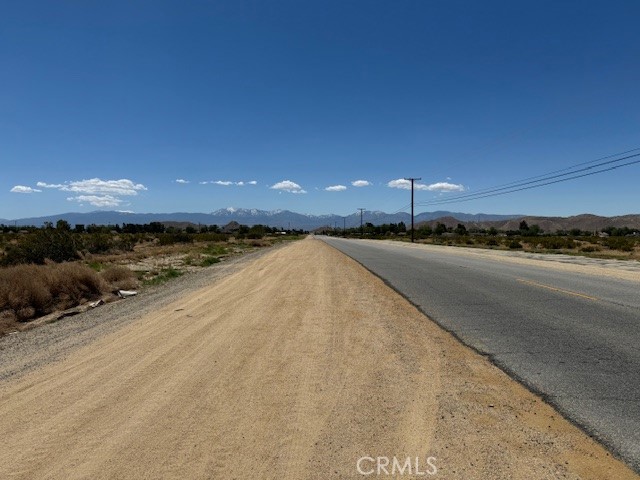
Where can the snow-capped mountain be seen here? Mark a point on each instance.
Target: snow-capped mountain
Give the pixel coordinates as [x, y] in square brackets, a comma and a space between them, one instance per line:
[272, 218]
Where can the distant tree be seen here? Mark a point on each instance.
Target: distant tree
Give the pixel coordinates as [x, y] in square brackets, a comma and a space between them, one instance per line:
[425, 231]
[524, 226]
[440, 228]
[63, 225]
[460, 229]
[256, 232]
[534, 230]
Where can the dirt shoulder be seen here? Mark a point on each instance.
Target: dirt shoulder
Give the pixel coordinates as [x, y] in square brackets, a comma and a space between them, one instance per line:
[297, 366]
[34, 348]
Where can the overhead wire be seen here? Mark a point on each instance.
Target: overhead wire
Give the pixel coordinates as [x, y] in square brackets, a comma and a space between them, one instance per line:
[541, 180]
[529, 187]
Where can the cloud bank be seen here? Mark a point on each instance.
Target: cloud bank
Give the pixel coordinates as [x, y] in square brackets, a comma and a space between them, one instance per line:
[336, 188]
[98, 192]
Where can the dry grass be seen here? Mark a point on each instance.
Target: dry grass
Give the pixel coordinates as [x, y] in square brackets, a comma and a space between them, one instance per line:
[120, 278]
[29, 291]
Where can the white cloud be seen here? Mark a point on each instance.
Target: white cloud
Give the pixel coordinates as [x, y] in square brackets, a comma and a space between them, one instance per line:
[182, 180]
[122, 187]
[226, 183]
[361, 183]
[23, 189]
[288, 186]
[445, 187]
[98, 192]
[434, 187]
[401, 183]
[336, 188]
[97, 200]
[49, 185]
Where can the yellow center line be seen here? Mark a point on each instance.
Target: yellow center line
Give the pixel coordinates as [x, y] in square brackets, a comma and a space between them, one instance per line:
[568, 292]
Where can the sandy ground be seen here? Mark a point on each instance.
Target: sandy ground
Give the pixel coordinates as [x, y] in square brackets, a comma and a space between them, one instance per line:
[295, 367]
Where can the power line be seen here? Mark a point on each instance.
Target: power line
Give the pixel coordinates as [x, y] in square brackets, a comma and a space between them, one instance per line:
[542, 180]
[566, 169]
[459, 200]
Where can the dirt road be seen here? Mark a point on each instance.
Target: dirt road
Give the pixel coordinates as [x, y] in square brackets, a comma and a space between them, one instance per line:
[296, 367]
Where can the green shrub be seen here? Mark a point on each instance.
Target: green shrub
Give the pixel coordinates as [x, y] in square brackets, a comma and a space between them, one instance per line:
[97, 242]
[215, 250]
[40, 245]
[554, 243]
[208, 261]
[620, 243]
[176, 237]
[164, 276]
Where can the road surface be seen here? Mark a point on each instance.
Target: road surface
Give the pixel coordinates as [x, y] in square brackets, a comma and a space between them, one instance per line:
[296, 367]
[569, 332]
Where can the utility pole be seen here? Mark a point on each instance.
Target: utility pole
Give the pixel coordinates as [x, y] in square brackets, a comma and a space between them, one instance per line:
[361, 228]
[412, 180]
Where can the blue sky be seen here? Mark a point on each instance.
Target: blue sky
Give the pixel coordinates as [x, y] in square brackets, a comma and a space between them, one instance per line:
[106, 105]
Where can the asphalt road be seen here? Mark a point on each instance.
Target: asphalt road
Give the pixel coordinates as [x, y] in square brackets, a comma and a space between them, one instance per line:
[573, 338]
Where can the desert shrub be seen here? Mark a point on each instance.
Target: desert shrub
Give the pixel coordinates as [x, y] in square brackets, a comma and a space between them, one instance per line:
[176, 237]
[514, 244]
[590, 249]
[212, 237]
[620, 243]
[29, 291]
[208, 261]
[120, 278]
[76, 282]
[554, 243]
[126, 242]
[99, 242]
[40, 245]
[215, 250]
[164, 276]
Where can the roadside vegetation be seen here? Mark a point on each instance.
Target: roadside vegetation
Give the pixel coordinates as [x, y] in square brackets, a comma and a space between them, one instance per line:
[610, 242]
[57, 267]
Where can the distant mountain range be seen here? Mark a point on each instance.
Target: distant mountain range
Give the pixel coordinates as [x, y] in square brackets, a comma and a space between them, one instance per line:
[287, 219]
[272, 218]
